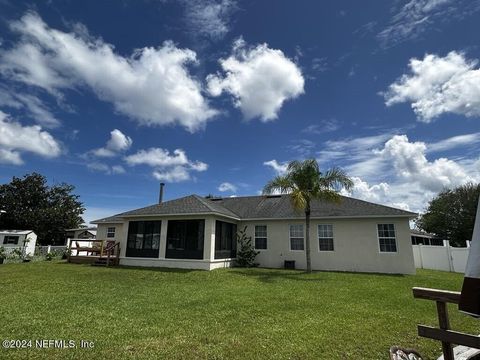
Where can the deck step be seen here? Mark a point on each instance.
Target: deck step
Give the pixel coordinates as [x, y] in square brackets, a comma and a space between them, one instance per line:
[103, 262]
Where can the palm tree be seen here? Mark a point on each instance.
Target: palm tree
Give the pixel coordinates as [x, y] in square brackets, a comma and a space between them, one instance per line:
[304, 182]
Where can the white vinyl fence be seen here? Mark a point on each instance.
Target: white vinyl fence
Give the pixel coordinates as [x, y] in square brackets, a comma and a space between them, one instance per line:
[445, 258]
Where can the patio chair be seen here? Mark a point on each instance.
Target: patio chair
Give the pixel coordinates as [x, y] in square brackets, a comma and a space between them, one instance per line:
[82, 248]
[398, 353]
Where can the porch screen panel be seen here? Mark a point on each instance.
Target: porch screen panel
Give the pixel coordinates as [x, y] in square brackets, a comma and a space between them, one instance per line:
[225, 240]
[185, 239]
[143, 239]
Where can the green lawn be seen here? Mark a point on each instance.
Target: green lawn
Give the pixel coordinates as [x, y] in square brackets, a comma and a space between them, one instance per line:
[222, 314]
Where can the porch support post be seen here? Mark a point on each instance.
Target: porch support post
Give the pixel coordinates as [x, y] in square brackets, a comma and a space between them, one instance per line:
[209, 239]
[163, 239]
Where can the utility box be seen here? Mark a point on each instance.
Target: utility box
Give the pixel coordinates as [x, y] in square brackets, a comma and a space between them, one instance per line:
[289, 264]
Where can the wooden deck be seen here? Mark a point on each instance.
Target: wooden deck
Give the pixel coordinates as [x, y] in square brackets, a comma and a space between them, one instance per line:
[95, 252]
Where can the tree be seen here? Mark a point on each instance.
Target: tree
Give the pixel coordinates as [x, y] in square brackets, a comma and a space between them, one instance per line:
[451, 214]
[30, 204]
[304, 182]
[246, 253]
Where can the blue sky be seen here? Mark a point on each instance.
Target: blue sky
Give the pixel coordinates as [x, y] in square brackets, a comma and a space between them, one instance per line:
[215, 97]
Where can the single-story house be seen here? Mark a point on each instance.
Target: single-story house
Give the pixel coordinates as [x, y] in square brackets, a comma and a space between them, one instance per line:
[199, 233]
[18, 239]
[422, 238]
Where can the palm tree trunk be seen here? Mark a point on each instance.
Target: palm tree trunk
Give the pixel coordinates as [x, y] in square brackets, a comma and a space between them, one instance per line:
[307, 238]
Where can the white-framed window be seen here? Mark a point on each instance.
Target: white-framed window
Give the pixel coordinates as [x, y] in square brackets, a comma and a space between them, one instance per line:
[110, 232]
[261, 237]
[297, 237]
[386, 238]
[325, 237]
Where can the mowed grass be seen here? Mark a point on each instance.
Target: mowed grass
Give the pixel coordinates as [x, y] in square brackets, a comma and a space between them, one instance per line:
[224, 314]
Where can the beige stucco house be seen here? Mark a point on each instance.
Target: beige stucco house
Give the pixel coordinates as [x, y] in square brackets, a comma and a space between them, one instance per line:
[199, 233]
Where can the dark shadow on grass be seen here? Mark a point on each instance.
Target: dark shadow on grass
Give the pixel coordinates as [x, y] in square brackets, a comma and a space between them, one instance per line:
[143, 268]
[273, 275]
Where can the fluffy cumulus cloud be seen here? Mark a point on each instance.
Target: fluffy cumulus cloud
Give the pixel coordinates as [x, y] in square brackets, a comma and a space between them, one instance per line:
[279, 168]
[209, 18]
[117, 143]
[362, 190]
[410, 162]
[16, 139]
[438, 85]
[152, 86]
[170, 167]
[260, 80]
[226, 186]
[397, 172]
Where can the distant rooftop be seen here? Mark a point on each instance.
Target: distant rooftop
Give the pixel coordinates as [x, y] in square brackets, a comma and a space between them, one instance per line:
[15, 232]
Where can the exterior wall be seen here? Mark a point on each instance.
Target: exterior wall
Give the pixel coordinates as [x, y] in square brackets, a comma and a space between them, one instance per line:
[102, 231]
[356, 246]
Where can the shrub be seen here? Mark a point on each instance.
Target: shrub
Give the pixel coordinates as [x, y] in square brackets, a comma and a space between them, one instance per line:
[246, 253]
[3, 253]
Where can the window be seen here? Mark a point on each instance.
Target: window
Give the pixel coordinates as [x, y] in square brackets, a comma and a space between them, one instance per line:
[296, 237]
[110, 232]
[11, 240]
[261, 237]
[225, 240]
[386, 238]
[185, 239]
[143, 239]
[325, 237]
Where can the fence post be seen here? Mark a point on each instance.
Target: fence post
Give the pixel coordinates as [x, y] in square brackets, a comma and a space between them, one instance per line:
[49, 247]
[446, 243]
[468, 243]
[420, 255]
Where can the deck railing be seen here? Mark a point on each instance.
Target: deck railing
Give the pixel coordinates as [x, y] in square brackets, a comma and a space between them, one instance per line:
[443, 333]
[94, 248]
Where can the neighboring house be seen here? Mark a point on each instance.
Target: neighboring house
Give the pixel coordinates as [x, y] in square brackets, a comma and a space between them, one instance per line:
[81, 233]
[18, 239]
[199, 233]
[423, 238]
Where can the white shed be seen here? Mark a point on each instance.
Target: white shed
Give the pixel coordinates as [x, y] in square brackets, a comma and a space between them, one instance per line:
[11, 239]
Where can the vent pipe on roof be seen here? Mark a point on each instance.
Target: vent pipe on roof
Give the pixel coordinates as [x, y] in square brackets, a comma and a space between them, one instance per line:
[160, 196]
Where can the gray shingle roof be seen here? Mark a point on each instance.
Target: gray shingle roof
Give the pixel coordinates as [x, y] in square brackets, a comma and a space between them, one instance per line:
[280, 206]
[261, 207]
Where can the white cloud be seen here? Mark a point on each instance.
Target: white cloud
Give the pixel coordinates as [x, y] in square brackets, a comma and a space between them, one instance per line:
[323, 126]
[158, 157]
[16, 139]
[117, 143]
[105, 168]
[35, 108]
[362, 190]
[175, 174]
[152, 86]
[260, 80]
[226, 186]
[209, 18]
[415, 17]
[169, 167]
[280, 168]
[454, 141]
[410, 163]
[439, 85]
